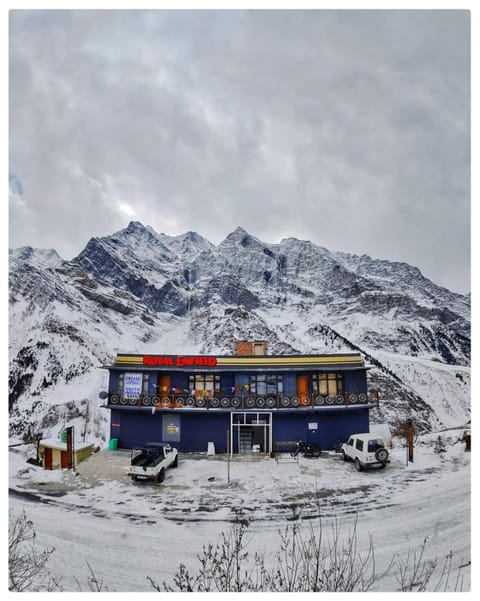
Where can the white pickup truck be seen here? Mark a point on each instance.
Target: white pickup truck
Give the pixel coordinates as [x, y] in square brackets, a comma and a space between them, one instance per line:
[151, 461]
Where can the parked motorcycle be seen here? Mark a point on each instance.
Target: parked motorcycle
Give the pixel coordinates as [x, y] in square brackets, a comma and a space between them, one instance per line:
[307, 449]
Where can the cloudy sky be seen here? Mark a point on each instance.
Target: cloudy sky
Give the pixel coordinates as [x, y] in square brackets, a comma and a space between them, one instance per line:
[347, 128]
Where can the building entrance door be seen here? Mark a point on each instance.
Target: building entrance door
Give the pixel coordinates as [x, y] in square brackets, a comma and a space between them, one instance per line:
[250, 432]
[302, 389]
[164, 382]
[48, 459]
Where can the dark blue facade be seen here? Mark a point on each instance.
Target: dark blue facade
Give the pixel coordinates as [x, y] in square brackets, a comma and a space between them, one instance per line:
[234, 411]
[194, 430]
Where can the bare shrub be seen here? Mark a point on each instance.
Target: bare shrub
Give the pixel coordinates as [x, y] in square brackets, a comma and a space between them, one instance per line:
[311, 561]
[309, 558]
[26, 564]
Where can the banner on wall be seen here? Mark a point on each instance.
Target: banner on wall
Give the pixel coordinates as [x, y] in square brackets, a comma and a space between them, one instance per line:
[132, 386]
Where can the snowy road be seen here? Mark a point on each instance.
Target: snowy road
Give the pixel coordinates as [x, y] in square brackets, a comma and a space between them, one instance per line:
[127, 532]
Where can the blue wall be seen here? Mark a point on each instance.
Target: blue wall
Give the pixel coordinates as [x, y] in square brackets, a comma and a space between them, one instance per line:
[353, 381]
[134, 428]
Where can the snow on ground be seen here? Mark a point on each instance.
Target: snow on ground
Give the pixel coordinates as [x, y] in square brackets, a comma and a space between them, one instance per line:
[127, 531]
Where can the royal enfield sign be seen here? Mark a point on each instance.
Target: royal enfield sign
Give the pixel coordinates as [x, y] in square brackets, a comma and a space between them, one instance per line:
[132, 386]
[178, 361]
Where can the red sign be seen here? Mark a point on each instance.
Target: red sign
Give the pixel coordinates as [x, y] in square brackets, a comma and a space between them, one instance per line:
[178, 361]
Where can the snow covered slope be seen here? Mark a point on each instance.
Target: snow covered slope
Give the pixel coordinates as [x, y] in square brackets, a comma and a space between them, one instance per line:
[141, 291]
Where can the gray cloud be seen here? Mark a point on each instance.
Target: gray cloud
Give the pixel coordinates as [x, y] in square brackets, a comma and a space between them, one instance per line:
[348, 128]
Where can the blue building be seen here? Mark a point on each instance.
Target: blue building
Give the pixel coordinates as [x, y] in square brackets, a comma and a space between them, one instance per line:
[241, 403]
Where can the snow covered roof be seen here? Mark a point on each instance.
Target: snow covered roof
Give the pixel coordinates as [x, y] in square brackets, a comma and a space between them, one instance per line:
[55, 443]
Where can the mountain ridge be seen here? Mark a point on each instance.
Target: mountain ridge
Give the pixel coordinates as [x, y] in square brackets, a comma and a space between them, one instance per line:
[139, 290]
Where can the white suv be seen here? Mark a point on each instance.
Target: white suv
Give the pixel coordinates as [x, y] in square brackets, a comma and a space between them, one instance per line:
[366, 450]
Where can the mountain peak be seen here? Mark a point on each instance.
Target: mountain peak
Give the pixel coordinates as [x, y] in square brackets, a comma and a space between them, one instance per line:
[40, 257]
[239, 236]
[135, 226]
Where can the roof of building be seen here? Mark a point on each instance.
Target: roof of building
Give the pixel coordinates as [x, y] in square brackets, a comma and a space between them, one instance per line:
[202, 363]
[55, 443]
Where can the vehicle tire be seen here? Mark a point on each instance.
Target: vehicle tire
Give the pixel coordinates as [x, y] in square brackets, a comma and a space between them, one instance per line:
[316, 451]
[381, 455]
[344, 455]
[175, 462]
[358, 465]
[161, 475]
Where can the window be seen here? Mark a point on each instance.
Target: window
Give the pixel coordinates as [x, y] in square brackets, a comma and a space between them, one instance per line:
[204, 382]
[373, 445]
[266, 384]
[327, 384]
[359, 445]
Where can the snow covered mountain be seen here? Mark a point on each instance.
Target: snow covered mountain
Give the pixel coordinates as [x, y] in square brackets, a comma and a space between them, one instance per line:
[141, 291]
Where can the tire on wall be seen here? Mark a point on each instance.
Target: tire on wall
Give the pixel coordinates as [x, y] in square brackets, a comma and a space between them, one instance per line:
[147, 401]
[260, 402]
[215, 402]
[362, 398]
[225, 401]
[235, 402]
[270, 402]
[320, 400]
[353, 398]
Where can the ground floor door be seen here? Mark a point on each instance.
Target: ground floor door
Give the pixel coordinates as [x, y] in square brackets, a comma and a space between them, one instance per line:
[48, 459]
[251, 433]
[64, 459]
